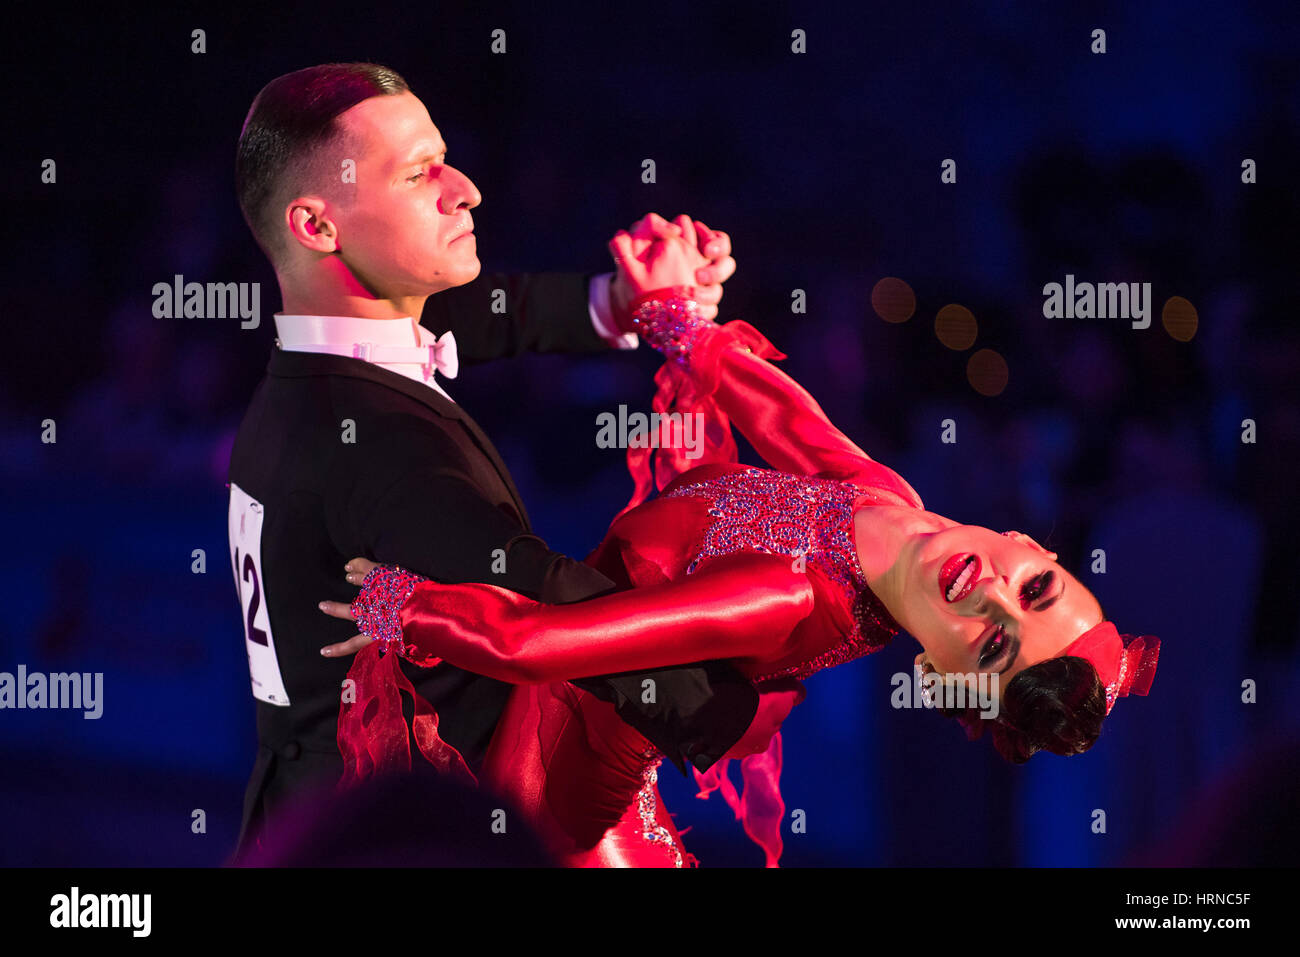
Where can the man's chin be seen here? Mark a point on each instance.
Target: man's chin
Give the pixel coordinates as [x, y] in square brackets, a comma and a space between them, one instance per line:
[463, 273]
[451, 278]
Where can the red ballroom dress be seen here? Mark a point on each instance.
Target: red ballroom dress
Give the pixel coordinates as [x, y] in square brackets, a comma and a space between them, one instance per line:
[728, 562]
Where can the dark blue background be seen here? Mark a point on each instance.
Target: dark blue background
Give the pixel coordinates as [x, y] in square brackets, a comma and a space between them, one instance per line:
[824, 168]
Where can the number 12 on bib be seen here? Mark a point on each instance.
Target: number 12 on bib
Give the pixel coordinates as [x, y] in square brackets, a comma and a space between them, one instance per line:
[246, 556]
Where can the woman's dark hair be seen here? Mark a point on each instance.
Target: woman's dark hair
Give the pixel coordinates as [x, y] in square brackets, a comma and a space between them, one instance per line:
[1057, 705]
[290, 121]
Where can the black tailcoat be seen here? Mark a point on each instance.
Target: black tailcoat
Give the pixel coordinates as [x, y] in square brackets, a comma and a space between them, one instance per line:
[421, 486]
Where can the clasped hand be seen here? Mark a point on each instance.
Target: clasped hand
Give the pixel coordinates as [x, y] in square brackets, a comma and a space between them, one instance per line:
[657, 254]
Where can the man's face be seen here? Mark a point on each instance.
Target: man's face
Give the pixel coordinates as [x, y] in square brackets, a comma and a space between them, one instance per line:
[408, 231]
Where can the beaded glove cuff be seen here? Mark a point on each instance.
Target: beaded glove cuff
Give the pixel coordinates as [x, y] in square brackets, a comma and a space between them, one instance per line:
[378, 609]
[670, 322]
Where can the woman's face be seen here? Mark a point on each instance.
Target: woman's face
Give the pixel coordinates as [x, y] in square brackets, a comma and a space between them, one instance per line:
[980, 601]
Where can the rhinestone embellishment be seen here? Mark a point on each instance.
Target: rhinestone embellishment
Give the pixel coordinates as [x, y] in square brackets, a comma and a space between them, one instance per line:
[671, 326]
[647, 807]
[378, 609]
[1112, 689]
[758, 510]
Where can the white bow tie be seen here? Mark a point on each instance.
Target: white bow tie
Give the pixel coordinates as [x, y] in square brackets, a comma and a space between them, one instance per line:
[442, 355]
[439, 355]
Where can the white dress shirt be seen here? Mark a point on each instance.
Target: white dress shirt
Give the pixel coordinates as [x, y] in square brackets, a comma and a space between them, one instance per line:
[602, 314]
[301, 333]
[338, 335]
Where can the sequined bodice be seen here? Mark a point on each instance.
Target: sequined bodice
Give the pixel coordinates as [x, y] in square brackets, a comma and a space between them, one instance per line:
[758, 510]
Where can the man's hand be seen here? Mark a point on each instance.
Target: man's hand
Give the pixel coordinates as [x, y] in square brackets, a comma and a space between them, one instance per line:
[640, 261]
[656, 262]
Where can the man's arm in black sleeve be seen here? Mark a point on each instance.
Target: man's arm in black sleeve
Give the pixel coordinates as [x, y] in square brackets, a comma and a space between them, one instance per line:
[543, 312]
[426, 514]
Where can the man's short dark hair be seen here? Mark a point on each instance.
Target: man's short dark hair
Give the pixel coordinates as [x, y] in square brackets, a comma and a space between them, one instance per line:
[284, 146]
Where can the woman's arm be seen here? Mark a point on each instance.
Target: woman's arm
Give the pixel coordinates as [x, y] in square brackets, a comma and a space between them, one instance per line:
[780, 418]
[744, 606]
[724, 373]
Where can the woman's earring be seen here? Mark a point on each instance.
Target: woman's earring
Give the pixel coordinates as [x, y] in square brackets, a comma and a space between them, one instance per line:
[927, 693]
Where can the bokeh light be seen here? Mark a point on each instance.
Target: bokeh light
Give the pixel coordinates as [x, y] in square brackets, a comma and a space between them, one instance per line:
[956, 327]
[987, 372]
[1179, 318]
[893, 300]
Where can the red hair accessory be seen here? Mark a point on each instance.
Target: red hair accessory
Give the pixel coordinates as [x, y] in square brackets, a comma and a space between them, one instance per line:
[1125, 664]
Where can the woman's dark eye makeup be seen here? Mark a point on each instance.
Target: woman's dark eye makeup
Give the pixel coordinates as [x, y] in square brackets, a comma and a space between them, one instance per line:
[1038, 586]
[1032, 590]
[994, 647]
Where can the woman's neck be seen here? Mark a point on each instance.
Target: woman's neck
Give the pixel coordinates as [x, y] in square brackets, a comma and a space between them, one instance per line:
[888, 539]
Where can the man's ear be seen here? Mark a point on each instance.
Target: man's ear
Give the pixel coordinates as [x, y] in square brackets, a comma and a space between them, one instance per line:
[309, 225]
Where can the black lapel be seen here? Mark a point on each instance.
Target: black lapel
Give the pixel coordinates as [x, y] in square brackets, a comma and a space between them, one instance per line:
[293, 364]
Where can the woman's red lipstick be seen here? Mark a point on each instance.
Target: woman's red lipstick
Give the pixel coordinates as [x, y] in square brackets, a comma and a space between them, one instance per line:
[954, 569]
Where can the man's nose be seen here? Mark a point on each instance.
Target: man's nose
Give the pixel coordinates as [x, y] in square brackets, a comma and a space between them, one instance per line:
[458, 190]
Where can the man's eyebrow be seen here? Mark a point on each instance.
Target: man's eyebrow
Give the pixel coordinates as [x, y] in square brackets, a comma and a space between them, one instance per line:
[427, 155]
